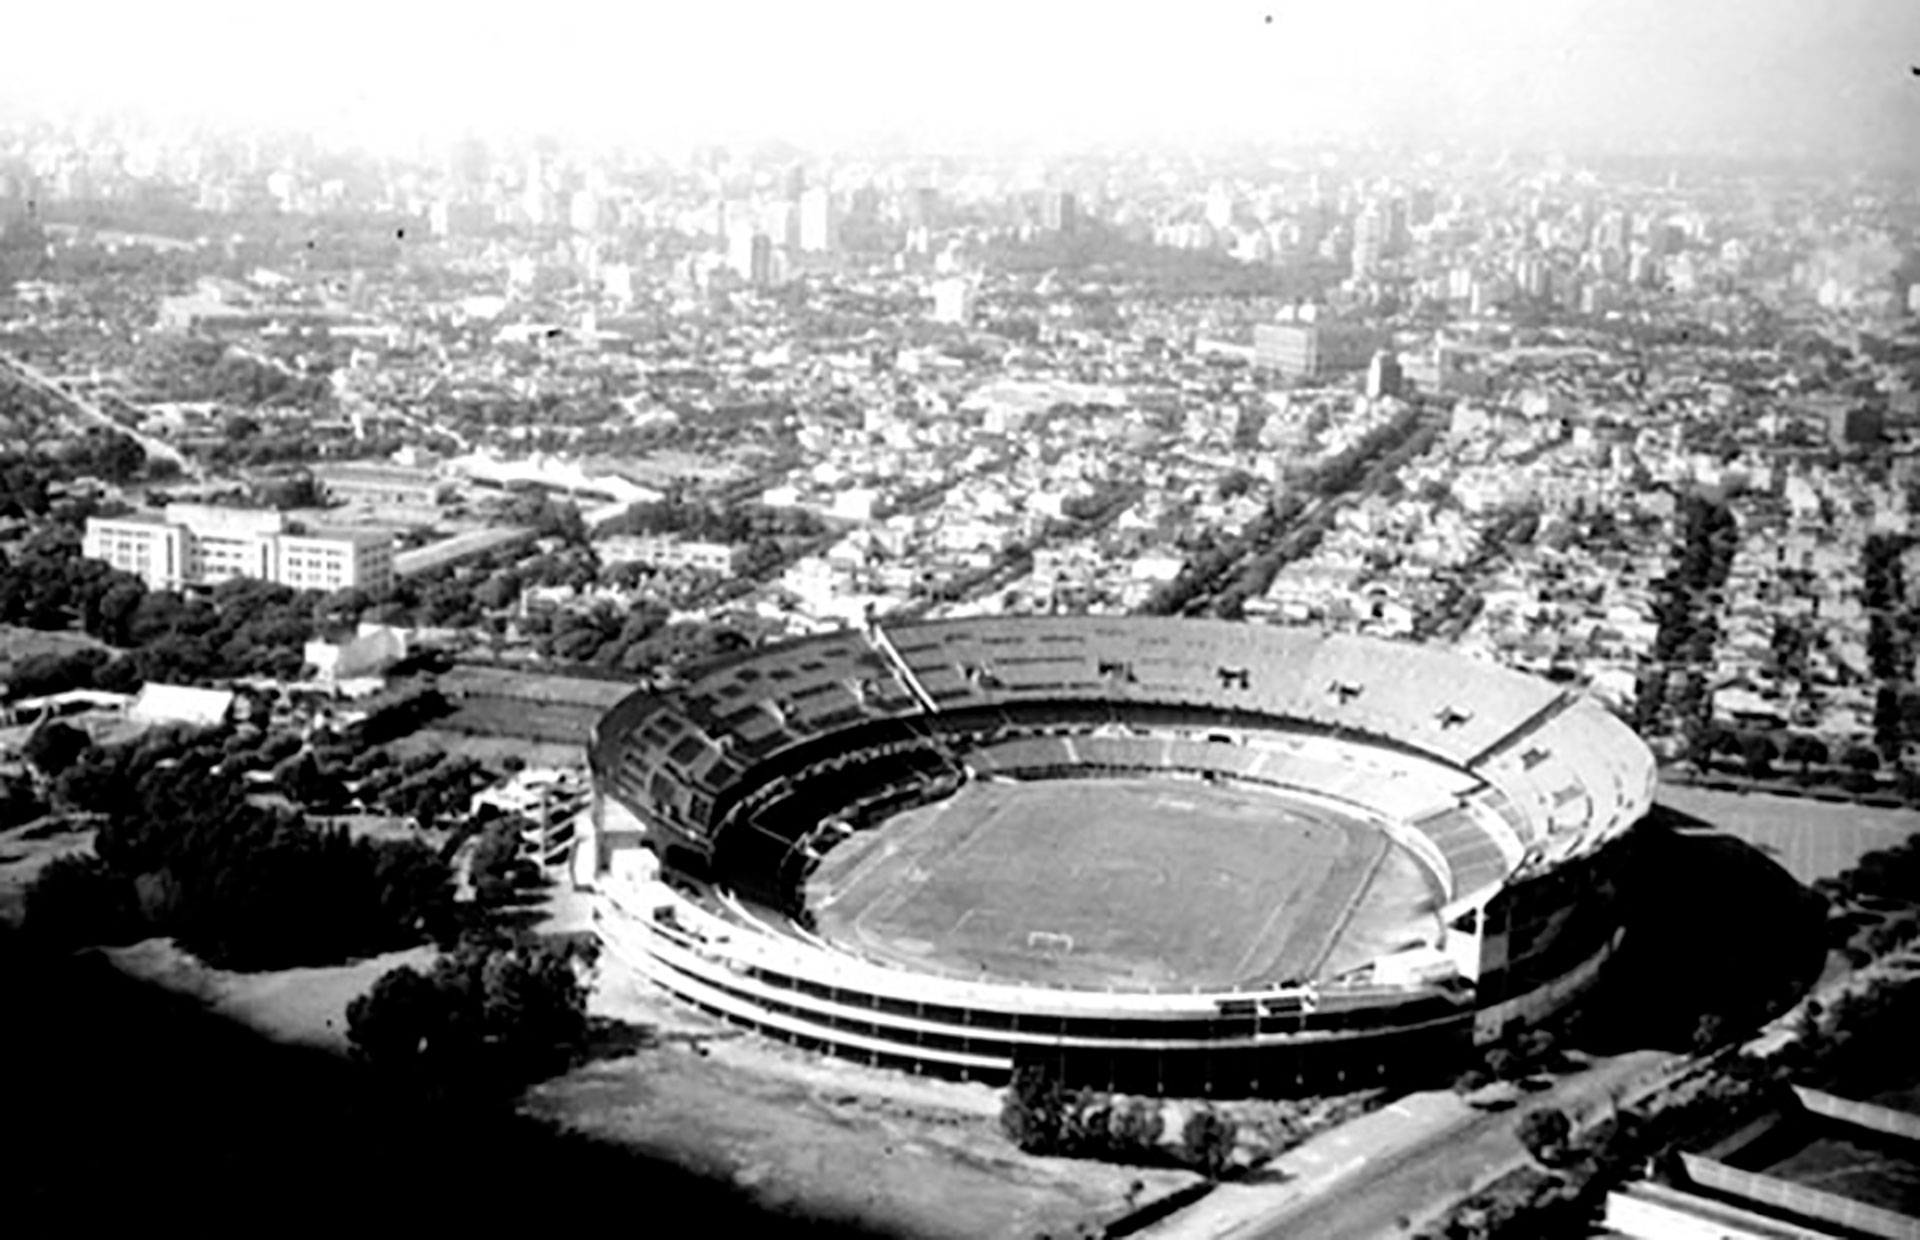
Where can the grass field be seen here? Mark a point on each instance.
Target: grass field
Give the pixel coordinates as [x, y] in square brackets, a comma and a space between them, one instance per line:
[1810, 839]
[1129, 884]
[490, 701]
[560, 723]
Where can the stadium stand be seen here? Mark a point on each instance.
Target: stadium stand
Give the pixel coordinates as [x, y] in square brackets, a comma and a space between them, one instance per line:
[741, 778]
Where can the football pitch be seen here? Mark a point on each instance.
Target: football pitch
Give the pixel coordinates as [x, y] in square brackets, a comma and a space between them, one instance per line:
[1141, 884]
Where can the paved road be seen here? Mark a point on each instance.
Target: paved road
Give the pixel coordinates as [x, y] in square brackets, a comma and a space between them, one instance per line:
[1415, 1181]
[1405, 1184]
[1408, 1161]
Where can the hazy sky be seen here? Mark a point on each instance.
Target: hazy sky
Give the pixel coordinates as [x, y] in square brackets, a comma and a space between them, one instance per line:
[1832, 72]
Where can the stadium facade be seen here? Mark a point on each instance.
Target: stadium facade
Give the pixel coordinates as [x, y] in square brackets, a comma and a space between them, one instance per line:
[717, 797]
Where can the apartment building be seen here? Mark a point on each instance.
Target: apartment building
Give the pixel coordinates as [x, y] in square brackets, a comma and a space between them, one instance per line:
[200, 545]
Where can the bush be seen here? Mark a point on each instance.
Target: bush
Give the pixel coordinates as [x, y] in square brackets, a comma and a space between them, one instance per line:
[1545, 1134]
[55, 746]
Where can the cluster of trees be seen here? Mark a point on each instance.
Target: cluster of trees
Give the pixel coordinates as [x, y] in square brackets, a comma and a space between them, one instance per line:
[549, 517]
[1203, 573]
[1874, 907]
[1041, 1115]
[1155, 271]
[204, 370]
[733, 524]
[407, 709]
[1755, 753]
[1890, 628]
[1527, 1053]
[1345, 469]
[28, 481]
[20, 800]
[498, 868]
[1260, 550]
[1460, 600]
[429, 787]
[104, 454]
[182, 851]
[297, 490]
[635, 641]
[1686, 608]
[245, 628]
[497, 1011]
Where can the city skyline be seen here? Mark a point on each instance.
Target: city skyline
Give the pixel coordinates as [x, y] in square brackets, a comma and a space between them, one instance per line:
[1774, 77]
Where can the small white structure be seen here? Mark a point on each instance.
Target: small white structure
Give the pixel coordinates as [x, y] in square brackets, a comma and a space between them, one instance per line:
[372, 648]
[164, 704]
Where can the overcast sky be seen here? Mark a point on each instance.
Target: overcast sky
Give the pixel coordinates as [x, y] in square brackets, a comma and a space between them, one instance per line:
[1832, 72]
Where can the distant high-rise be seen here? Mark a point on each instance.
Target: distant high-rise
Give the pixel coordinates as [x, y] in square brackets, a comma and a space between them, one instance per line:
[921, 207]
[470, 163]
[1059, 212]
[1369, 242]
[1383, 375]
[584, 211]
[760, 262]
[1422, 206]
[1396, 237]
[1219, 206]
[817, 223]
[781, 222]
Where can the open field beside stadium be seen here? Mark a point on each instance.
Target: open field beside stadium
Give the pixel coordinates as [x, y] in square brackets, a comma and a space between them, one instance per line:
[532, 706]
[1810, 839]
[1130, 884]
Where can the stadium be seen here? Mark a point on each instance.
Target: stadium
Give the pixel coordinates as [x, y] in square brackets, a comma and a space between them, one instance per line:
[1169, 856]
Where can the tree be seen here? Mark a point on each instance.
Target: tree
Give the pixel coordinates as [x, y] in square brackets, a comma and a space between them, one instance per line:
[55, 746]
[391, 1024]
[1033, 1114]
[78, 900]
[1758, 752]
[1806, 751]
[1703, 742]
[1207, 1142]
[495, 869]
[1545, 1134]
[1889, 722]
[1863, 763]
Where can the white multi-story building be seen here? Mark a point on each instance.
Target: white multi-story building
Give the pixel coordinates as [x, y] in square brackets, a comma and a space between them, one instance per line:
[953, 300]
[670, 552]
[817, 223]
[198, 544]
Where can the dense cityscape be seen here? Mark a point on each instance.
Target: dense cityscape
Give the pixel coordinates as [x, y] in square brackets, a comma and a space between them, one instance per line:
[345, 492]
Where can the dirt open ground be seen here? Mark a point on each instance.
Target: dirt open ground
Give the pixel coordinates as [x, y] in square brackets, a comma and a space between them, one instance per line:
[800, 1135]
[1129, 884]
